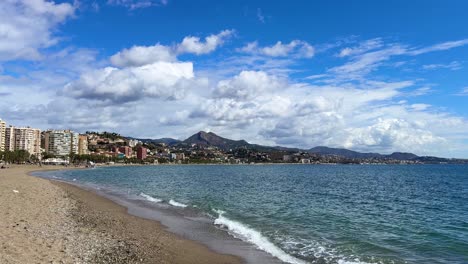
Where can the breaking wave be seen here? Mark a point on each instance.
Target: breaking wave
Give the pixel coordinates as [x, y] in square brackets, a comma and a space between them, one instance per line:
[251, 235]
[175, 203]
[150, 198]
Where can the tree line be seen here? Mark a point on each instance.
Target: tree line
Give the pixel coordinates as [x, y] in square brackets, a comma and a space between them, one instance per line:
[17, 156]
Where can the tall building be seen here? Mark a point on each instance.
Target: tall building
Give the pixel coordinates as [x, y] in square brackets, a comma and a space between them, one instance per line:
[83, 145]
[10, 138]
[141, 153]
[61, 142]
[23, 138]
[2, 135]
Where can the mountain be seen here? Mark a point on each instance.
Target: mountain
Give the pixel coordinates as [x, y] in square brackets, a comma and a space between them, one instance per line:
[359, 155]
[211, 139]
[402, 156]
[344, 153]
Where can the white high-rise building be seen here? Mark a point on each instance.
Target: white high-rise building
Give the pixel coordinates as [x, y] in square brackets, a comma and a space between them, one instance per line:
[61, 142]
[23, 138]
[10, 138]
[2, 135]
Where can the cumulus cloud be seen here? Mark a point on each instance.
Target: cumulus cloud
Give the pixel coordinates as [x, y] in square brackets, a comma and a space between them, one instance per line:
[248, 84]
[194, 45]
[139, 55]
[392, 133]
[297, 48]
[361, 116]
[159, 80]
[142, 55]
[26, 27]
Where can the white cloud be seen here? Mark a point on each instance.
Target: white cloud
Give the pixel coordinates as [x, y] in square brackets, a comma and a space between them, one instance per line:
[420, 107]
[139, 55]
[194, 45]
[365, 63]
[271, 110]
[463, 92]
[363, 47]
[297, 48]
[439, 47]
[369, 55]
[260, 15]
[394, 134]
[27, 26]
[454, 65]
[248, 84]
[142, 55]
[136, 4]
[159, 80]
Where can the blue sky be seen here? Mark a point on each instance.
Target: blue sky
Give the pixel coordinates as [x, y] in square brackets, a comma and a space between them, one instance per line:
[365, 75]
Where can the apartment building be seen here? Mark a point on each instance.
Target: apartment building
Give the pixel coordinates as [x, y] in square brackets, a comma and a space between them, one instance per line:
[2, 135]
[9, 138]
[83, 145]
[22, 138]
[61, 142]
[142, 153]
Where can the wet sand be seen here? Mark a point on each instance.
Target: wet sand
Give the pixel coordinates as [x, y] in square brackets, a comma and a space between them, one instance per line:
[42, 221]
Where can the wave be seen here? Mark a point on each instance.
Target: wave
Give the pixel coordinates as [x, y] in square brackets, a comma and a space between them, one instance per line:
[150, 198]
[251, 235]
[174, 203]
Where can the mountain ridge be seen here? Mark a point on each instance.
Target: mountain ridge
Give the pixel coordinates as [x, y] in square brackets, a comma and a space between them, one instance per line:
[211, 139]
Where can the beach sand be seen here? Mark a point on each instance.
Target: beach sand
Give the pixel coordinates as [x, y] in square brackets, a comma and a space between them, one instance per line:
[42, 221]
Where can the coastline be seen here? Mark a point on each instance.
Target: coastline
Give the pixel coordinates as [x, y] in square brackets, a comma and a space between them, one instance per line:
[43, 220]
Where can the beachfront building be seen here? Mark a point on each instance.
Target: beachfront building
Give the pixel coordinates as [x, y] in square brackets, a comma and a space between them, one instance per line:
[61, 142]
[2, 135]
[23, 138]
[9, 138]
[141, 153]
[83, 145]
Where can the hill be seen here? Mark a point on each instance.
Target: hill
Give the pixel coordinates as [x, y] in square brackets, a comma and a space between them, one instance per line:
[321, 150]
[211, 139]
[359, 155]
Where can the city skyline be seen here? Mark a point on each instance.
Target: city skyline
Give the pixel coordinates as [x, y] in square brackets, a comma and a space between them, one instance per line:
[244, 70]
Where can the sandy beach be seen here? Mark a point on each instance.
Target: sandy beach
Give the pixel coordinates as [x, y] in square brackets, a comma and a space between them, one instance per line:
[42, 221]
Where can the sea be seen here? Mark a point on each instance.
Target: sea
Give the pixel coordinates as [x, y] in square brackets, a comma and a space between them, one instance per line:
[341, 214]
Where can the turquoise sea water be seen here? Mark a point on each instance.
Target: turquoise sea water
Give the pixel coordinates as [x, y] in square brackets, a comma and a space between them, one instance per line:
[315, 213]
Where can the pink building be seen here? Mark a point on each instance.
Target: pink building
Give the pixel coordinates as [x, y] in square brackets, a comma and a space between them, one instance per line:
[141, 153]
[126, 150]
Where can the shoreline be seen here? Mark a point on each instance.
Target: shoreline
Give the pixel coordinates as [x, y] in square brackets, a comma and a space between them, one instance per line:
[43, 220]
[187, 223]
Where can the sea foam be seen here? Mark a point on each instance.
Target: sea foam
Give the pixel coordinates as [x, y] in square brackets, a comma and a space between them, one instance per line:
[150, 198]
[175, 203]
[251, 235]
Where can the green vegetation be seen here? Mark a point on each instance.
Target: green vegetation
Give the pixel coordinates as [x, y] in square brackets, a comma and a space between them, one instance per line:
[105, 134]
[17, 156]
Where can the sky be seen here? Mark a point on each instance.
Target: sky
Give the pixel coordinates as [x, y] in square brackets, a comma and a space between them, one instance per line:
[373, 76]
